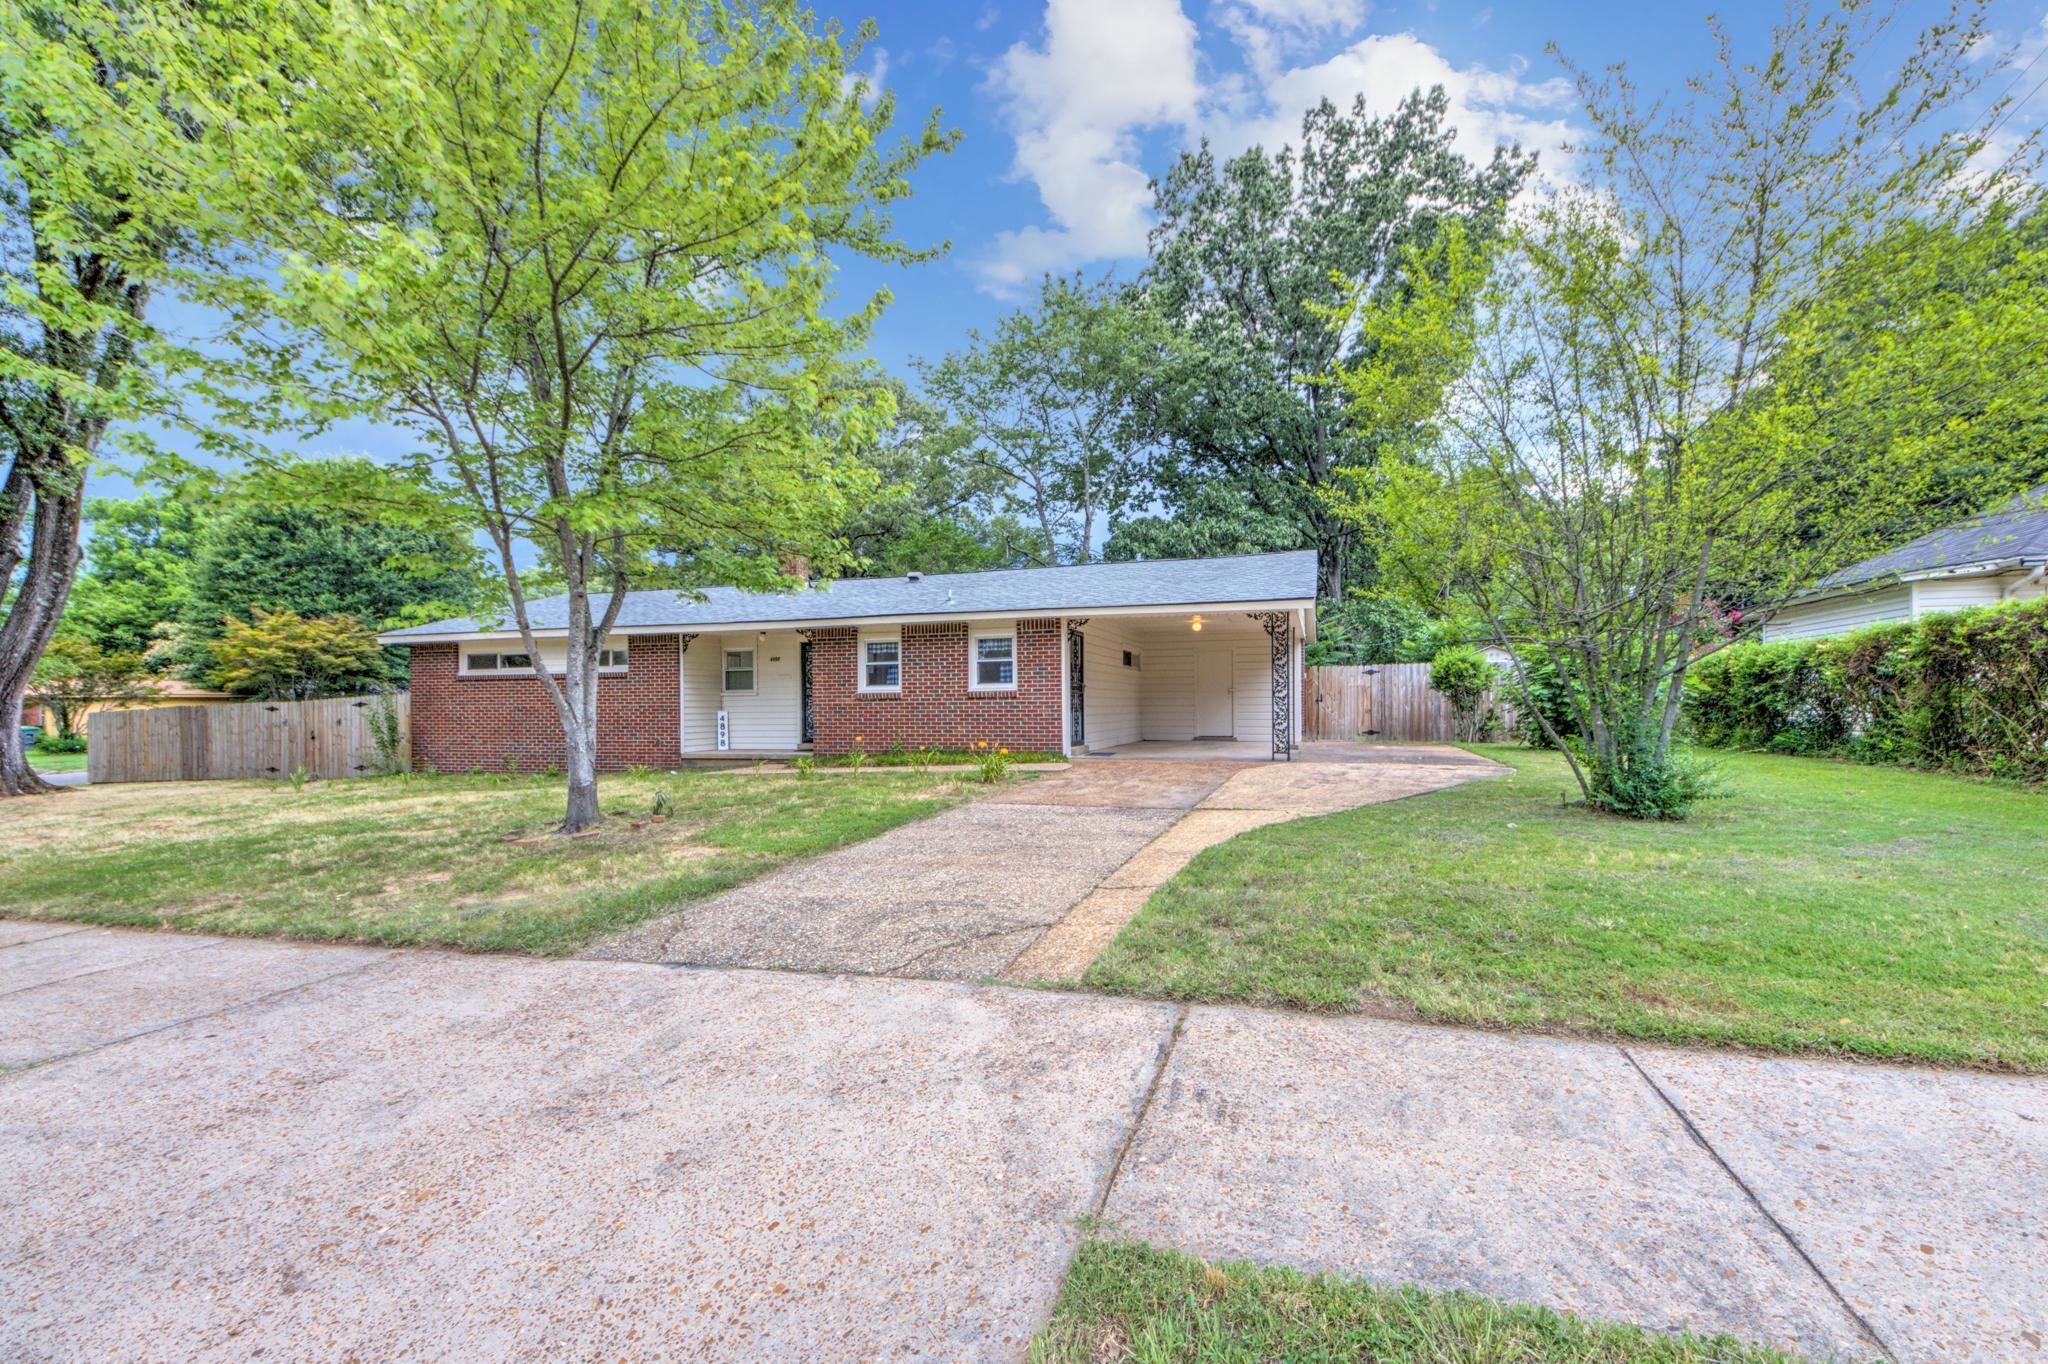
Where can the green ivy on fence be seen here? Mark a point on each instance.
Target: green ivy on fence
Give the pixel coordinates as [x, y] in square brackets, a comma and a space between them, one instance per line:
[1965, 691]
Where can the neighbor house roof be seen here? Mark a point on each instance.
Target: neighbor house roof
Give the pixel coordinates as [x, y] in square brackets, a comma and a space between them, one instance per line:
[1249, 579]
[2013, 533]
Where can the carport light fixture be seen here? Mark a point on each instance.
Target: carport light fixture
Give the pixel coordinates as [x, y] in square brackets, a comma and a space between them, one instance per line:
[1195, 623]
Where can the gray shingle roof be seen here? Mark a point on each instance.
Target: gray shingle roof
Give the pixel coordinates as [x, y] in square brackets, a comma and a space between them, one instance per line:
[2016, 529]
[1067, 589]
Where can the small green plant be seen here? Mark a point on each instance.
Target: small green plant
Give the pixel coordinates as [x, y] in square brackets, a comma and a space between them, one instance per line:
[53, 743]
[857, 756]
[298, 777]
[991, 764]
[641, 772]
[1463, 676]
[387, 735]
[921, 761]
[663, 806]
[804, 764]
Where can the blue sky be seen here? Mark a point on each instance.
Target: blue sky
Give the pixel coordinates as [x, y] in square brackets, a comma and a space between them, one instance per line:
[1067, 106]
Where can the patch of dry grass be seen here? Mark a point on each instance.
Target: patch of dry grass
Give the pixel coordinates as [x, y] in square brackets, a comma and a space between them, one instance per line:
[463, 861]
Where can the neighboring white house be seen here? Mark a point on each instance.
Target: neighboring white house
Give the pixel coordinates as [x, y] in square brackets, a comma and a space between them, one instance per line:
[1998, 556]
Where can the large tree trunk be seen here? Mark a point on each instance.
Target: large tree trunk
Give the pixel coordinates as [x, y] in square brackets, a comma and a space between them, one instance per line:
[52, 564]
[579, 733]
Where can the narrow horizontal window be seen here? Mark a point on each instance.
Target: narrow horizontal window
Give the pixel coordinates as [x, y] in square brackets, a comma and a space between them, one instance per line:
[611, 658]
[483, 663]
[515, 661]
[995, 661]
[881, 667]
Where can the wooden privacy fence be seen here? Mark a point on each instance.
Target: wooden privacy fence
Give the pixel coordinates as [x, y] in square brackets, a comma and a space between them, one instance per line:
[1384, 701]
[331, 738]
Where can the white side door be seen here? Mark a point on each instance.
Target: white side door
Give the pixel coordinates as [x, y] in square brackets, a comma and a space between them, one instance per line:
[1213, 694]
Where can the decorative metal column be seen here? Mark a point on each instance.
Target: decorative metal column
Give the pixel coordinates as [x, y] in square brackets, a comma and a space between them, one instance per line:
[808, 698]
[1077, 683]
[1278, 629]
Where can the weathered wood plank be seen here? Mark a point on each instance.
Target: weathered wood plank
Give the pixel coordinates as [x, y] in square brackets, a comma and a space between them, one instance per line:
[330, 739]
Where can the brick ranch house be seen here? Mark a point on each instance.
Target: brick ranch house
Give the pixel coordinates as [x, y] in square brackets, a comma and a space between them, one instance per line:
[1035, 660]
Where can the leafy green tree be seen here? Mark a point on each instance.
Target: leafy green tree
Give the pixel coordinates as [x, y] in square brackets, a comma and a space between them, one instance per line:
[110, 182]
[258, 555]
[1612, 456]
[1251, 259]
[284, 656]
[1372, 626]
[74, 675]
[587, 259]
[1046, 401]
[1918, 345]
[138, 569]
[1208, 518]
[937, 510]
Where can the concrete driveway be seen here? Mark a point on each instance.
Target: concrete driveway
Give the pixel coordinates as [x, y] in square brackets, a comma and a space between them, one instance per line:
[1033, 880]
[236, 1149]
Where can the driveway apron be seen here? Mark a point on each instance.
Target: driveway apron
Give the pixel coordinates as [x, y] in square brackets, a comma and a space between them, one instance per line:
[1030, 882]
[953, 897]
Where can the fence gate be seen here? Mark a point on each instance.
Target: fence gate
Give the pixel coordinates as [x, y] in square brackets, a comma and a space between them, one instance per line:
[1390, 701]
[332, 738]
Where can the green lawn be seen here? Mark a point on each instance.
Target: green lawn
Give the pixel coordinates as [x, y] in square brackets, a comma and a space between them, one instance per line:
[1822, 907]
[426, 859]
[1125, 1301]
[56, 762]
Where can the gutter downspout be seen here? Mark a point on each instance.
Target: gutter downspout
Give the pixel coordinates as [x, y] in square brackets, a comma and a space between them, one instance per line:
[2008, 593]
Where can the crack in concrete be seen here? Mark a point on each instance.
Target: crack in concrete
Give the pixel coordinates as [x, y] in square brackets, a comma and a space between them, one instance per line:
[1144, 1112]
[1692, 1129]
[98, 970]
[194, 1018]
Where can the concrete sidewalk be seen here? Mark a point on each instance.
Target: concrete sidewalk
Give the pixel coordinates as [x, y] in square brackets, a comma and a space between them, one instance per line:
[219, 1148]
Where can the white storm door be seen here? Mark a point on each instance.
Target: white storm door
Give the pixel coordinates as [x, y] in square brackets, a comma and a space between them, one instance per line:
[1212, 694]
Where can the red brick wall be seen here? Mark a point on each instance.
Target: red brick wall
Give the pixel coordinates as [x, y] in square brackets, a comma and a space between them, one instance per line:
[495, 723]
[935, 706]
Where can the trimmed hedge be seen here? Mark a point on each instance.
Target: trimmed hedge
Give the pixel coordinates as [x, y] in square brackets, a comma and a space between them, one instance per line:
[1965, 691]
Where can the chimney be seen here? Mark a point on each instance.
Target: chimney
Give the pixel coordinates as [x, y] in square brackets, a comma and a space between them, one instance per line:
[797, 566]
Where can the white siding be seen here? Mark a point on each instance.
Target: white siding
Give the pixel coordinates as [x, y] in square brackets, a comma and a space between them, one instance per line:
[1166, 697]
[1113, 693]
[700, 695]
[1935, 595]
[770, 718]
[1838, 615]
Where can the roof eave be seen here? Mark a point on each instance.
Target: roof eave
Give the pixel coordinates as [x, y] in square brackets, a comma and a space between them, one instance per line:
[843, 622]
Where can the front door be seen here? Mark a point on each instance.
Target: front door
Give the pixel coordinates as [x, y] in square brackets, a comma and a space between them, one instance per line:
[1212, 695]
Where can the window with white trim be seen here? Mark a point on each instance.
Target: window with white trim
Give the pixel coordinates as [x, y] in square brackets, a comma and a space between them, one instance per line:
[739, 671]
[486, 662]
[881, 663]
[992, 660]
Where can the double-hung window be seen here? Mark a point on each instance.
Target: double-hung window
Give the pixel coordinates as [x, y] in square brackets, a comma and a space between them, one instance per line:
[992, 661]
[881, 663]
[739, 670]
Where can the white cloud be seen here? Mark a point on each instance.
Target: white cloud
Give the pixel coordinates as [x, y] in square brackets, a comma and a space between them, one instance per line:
[874, 78]
[1269, 31]
[1108, 70]
[1487, 107]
